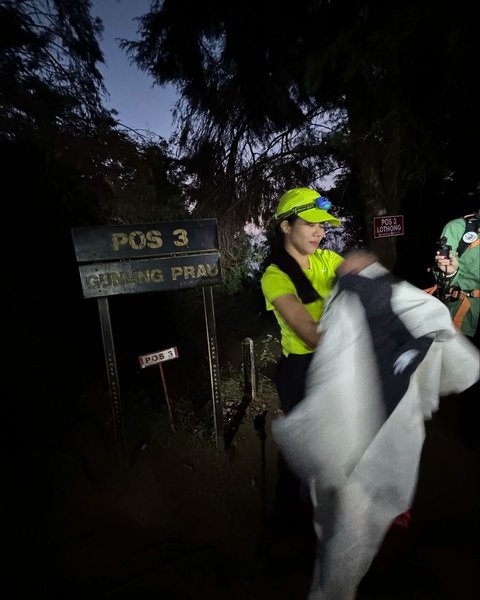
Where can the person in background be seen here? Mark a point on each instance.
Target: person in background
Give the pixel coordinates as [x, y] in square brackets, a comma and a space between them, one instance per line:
[298, 277]
[458, 278]
[458, 272]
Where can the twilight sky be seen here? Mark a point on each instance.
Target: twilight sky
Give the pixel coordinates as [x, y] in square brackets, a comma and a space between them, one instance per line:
[139, 105]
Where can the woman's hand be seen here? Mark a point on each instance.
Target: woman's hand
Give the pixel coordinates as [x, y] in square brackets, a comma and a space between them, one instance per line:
[355, 261]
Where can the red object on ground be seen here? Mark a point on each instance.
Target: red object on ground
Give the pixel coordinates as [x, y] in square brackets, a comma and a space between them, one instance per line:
[403, 520]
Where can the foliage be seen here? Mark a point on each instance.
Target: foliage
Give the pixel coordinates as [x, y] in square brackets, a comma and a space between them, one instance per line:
[275, 96]
[155, 424]
[65, 164]
[53, 126]
[197, 426]
[48, 71]
[269, 351]
[241, 258]
[239, 148]
[231, 383]
[266, 390]
[150, 189]
[52, 116]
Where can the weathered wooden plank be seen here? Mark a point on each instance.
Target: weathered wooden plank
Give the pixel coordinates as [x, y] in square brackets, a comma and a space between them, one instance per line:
[143, 240]
[149, 275]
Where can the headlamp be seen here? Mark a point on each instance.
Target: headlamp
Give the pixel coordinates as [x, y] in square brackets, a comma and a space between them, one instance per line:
[321, 202]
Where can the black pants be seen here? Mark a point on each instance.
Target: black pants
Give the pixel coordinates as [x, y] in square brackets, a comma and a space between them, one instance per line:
[292, 509]
[290, 378]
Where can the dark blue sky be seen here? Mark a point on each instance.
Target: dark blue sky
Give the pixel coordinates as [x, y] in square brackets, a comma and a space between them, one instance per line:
[139, 104]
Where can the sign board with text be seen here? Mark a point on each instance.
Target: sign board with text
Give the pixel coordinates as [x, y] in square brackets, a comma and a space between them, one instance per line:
[149, 275]
[150, 257]
[155, 358]
[388, 226]
[147, 239]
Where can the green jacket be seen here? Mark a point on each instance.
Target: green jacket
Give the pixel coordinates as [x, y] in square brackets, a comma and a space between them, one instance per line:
[467, 277]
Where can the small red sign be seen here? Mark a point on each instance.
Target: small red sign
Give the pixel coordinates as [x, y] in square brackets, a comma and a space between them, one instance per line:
[388, 226]
[148, 360]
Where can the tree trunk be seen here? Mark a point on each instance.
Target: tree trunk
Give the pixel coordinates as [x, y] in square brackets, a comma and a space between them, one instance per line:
[376, 151]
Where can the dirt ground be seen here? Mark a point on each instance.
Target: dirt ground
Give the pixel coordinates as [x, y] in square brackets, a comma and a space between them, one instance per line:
[183, 521]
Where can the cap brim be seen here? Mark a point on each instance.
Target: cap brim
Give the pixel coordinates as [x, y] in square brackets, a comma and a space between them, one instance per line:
[317, 215]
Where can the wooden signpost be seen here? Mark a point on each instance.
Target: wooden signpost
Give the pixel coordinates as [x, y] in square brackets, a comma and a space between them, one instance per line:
[157, 358]
[150, 257]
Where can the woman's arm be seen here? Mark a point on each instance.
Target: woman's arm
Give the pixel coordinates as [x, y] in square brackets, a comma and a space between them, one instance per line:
[298, 318]
[355, 261]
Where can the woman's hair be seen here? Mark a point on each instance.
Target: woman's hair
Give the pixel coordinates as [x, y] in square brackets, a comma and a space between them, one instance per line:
[286, 263]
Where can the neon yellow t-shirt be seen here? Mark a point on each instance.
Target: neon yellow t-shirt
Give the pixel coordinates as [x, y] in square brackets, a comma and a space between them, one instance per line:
[276, 283]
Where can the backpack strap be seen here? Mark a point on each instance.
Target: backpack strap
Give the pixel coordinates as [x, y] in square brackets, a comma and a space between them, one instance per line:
[431, 290]
[464, 305]
[471, 224]
[473, 244]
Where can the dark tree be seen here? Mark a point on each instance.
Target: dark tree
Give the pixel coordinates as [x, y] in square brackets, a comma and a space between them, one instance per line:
[65, 163]
[260, 82]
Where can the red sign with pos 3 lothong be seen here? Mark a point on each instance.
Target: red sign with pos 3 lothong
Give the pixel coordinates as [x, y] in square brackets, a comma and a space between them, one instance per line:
[388, 226]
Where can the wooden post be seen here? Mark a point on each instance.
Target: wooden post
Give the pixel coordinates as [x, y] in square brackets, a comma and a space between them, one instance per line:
[249, 376]
[167, 398]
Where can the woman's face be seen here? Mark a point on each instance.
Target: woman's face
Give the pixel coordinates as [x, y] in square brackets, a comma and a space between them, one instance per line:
[304, 237]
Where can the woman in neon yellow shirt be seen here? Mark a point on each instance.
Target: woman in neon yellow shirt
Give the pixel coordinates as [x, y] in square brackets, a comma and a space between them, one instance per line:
[296, 282]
